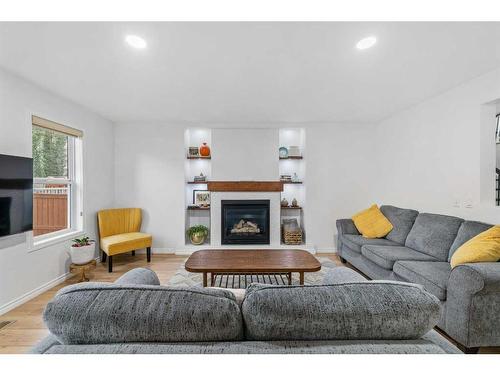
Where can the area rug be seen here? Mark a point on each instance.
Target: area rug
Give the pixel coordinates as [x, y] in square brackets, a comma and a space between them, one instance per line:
[183, 278]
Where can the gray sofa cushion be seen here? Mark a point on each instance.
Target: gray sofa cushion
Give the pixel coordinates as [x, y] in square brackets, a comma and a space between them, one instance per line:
[433, 276]
[354, 241]
[467, 230]
[350, 311]
[139, 276]
[386, 256]
[433, 234]
[94, 313]
[402, 220]
[342, 275]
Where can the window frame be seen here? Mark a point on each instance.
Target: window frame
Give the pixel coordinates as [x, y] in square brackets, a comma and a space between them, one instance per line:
[74, 181]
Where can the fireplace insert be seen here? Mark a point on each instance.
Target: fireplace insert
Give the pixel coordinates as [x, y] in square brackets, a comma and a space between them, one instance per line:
[245, 222]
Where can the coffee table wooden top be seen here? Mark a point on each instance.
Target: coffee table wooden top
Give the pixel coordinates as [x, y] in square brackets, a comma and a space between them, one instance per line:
[252, 261]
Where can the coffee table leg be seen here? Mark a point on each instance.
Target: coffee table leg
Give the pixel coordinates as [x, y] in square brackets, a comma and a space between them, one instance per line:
[204, 279]
[289, 278]
[301, 278]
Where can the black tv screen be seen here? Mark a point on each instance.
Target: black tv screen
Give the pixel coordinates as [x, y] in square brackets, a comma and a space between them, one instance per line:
[16, 195]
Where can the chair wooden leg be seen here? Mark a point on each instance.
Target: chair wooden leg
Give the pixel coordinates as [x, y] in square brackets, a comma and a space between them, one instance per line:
[103, 257]
[110, 264]
[133, 253]
[148, 254]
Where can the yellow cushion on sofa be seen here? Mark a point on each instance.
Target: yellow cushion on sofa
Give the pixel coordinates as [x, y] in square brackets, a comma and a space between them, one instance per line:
[485, 247]
[372, 223]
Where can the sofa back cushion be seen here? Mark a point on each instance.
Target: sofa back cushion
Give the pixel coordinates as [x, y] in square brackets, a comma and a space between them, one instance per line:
[467, 230]
[434, 234]
[402, 220]
[373, 310]
[98, 313]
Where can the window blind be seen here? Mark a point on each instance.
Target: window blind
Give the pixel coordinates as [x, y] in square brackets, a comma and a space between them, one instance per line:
[47, 124]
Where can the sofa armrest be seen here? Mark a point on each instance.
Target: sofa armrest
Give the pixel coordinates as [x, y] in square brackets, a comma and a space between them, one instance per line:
[346, 226]
[476, 277]
[473, 304]
[138, 276]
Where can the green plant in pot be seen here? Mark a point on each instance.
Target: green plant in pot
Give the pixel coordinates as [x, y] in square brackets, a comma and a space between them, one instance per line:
[197, 234]
[82, 250]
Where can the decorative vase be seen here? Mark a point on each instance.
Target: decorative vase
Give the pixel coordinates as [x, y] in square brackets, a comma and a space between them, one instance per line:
[197, 238]
[83, 254]
[204, 150]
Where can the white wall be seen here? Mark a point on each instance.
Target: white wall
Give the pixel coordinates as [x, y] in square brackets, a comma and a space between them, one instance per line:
[245, 154]
[22, 270]
[149, 173]
[340, 177]
[439, 156]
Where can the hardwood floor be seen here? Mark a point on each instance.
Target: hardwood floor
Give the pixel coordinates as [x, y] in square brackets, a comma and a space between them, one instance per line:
[27, 326]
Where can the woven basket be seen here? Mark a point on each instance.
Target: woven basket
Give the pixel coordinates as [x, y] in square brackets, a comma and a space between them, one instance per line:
[292, 234]
[292, 238]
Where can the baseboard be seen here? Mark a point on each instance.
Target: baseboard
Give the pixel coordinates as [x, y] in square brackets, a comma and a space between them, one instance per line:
[34, 293]
[157, 250]
[326, 251]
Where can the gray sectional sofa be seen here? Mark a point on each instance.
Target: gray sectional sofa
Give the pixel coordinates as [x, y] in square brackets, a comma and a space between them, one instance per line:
[418, 250]
[348, 315]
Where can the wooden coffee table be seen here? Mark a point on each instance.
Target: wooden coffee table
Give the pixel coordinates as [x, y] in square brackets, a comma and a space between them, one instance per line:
[248, 262]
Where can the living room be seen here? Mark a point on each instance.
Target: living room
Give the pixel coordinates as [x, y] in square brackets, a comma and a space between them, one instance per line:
[291, 187]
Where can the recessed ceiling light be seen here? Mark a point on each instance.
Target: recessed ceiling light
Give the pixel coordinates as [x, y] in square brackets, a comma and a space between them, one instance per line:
[366, 42]
[136, 41]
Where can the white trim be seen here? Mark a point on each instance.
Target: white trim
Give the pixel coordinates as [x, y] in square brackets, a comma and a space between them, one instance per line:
[32, 294]
[158, 250]
[62, 236]
[326, 250]
[188, 250]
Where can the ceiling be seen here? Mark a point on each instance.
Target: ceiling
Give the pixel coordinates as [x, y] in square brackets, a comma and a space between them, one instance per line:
[244, 73]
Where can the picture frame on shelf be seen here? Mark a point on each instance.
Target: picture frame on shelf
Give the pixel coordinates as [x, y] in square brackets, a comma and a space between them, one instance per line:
[201, 198]
[194, 152]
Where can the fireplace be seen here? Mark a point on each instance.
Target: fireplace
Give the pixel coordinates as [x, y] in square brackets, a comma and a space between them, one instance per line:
[245, 222]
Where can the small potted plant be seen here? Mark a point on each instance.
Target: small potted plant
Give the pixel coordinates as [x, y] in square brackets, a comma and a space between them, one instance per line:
[197, 234]
[82, 250]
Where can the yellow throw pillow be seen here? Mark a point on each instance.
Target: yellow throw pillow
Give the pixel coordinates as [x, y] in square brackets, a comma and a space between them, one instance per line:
[485, 247]
[372, 223]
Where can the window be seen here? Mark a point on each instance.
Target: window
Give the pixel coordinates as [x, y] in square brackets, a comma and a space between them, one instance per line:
[57, 179]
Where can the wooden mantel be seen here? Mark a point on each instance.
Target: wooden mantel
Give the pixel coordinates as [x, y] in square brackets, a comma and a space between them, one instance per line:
[276, 186]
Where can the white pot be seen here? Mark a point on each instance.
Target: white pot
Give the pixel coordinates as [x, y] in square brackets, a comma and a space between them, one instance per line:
[83, 254]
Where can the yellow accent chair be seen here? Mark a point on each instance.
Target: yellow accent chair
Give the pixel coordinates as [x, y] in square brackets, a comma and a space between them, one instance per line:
[119, 232]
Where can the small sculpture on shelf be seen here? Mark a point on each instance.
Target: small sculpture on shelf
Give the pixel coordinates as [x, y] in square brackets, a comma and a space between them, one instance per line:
[200, 178]
[295, 203]
[295, 178]
[284, 202]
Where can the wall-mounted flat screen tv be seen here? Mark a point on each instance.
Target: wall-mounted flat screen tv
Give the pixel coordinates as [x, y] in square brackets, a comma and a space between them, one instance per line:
[16, 195]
